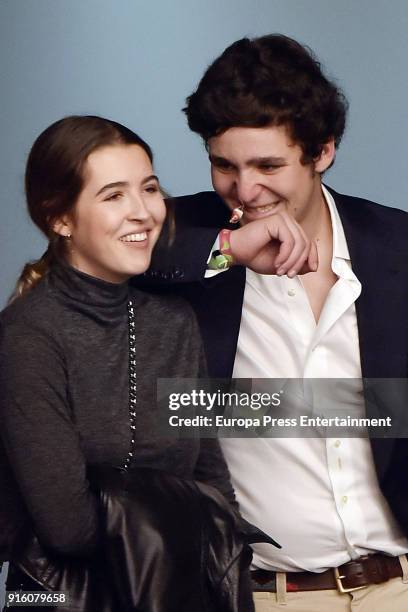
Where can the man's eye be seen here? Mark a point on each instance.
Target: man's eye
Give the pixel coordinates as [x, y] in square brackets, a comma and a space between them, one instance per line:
[223, 166]
[268, 167]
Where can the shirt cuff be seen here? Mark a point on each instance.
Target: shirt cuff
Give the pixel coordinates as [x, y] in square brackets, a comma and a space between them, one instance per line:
[215, 247]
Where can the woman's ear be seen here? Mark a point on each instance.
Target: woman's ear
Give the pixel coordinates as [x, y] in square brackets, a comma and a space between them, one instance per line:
[62, 227]
[326, 156]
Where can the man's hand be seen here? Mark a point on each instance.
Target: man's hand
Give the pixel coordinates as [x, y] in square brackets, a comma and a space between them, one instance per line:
[274, 245]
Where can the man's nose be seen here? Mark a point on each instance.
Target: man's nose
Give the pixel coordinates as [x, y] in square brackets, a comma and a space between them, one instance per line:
[247, 188]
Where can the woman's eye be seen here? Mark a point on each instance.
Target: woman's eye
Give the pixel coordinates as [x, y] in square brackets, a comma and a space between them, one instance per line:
[112, 197]
[152, 189]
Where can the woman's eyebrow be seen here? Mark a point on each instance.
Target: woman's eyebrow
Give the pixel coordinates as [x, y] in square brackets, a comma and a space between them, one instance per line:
[110, 185]
[150, 178]
[126, 184]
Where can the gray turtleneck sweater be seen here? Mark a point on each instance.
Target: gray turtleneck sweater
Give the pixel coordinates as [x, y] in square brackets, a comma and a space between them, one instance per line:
[64, 398]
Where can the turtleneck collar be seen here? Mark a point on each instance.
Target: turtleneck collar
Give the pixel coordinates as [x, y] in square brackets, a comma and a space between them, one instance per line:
[102, 299]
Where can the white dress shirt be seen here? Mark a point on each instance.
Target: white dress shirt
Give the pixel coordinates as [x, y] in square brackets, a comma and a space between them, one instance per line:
[319, 498]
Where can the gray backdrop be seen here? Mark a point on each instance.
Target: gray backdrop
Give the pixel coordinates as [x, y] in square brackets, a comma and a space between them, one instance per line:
[136, 60]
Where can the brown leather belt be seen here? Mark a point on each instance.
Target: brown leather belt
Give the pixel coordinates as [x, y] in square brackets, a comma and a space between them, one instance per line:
[372, 569]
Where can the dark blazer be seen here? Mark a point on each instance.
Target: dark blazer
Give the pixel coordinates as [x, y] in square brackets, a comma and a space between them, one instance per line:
[377, 238]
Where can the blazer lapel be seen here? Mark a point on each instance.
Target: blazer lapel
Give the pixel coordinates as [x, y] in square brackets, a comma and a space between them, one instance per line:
[379, 307]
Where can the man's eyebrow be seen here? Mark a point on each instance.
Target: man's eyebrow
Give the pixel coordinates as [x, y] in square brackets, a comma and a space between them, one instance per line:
[125, 183]
[254, 161]
[267, 161]
[217, 158]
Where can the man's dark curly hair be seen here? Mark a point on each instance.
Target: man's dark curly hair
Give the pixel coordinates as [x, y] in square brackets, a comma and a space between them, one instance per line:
[271, 80]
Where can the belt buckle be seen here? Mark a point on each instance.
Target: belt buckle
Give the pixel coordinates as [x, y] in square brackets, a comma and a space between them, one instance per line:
[339, 583]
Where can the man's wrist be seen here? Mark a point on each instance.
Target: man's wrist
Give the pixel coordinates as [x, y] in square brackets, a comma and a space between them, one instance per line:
[222, 258]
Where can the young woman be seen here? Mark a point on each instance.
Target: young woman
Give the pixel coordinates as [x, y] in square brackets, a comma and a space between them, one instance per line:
[80, 355]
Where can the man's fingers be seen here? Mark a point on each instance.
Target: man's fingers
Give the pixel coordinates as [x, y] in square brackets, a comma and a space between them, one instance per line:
[312, 263]
[307, 262]
[287, 246]
[301, 260]
[295, 253]
[298, 253]
[296, 260]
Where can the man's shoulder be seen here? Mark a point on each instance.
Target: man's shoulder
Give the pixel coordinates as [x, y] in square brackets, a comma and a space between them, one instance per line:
[369, 223]
[205, 206]
[362, 206]
[199, 198]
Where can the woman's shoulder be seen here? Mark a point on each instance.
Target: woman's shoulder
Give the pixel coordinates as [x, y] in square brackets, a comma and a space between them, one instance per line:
[33, 311]
[31, 342]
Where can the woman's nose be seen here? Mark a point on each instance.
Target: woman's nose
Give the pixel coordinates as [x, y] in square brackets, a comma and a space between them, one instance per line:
[138, 209]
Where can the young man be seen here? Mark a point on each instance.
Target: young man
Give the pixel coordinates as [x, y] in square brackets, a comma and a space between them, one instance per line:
[271, 122]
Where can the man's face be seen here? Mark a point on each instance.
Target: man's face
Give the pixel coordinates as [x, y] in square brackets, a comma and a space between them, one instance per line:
[258, 168]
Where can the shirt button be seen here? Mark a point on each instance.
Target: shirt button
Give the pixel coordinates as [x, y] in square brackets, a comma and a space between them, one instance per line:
[344, 499]
[291, 293]
[337, 443]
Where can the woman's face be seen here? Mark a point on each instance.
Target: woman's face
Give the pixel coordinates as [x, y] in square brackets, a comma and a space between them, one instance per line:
[118, 216]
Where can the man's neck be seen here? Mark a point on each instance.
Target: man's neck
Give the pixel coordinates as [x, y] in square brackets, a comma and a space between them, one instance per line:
[316, 221]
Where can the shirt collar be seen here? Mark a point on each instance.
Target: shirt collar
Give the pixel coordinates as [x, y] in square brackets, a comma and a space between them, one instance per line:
[341, 263]
[340, 248]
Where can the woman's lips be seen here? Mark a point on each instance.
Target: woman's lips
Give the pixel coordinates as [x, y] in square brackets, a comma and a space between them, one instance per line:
[136, 237]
